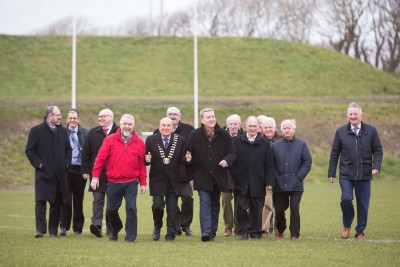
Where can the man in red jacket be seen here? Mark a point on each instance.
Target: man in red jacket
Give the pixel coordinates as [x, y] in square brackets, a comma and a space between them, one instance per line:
[124, 153]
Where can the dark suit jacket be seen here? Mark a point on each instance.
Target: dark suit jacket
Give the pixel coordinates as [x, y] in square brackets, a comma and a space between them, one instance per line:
[92, 146]
[163, 175]
[53, 150]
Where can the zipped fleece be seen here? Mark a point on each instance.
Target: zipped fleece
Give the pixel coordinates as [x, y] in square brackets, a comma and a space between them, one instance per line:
[125, 162]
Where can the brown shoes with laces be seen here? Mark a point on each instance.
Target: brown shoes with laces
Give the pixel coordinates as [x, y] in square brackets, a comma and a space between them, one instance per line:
[345, 233]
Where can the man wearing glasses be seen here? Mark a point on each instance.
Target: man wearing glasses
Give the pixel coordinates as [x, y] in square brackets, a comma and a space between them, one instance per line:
[92, 146]
[76, 185]
[49, 151]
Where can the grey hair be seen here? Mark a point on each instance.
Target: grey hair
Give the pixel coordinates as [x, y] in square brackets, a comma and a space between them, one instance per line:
[269, 119]
[354, 105]
[291, 121]
[174, 110]
[233, 117]
[127, 116]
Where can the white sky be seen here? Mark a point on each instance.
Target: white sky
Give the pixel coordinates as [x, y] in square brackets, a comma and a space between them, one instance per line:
[19, 17]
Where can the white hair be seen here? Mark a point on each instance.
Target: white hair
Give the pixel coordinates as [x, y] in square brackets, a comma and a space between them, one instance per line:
[291, 121]
[268, 119]
[233, 117]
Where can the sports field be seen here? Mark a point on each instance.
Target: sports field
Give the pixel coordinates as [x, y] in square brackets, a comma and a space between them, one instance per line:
[319, 245]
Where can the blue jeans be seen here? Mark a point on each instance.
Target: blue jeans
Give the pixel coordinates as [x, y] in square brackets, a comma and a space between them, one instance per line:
[209, 212]
[115, 193]
[362, 189]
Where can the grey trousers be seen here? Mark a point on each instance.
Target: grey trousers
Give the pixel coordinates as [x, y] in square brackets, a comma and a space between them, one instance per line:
[98, 210]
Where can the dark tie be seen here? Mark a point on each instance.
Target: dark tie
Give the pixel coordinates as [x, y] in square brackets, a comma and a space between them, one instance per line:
[355, 130]
[105, 130]
[165, 142]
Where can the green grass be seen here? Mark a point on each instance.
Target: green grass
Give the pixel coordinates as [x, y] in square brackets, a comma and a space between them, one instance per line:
[319, 245]
[143, 76]
[39, 67]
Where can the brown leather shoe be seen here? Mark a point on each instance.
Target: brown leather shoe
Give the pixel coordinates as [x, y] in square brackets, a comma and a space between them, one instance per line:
[360, 237]
[228, 232]
[279, 235]
[345, 233]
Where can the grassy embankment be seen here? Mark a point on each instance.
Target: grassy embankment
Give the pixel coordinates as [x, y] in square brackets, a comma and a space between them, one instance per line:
[144, 76]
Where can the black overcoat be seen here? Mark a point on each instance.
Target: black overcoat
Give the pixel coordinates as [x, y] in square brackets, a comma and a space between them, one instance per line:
[92, 146]
[253, 169]
[206, 157]
[52, 149]
[163, 174]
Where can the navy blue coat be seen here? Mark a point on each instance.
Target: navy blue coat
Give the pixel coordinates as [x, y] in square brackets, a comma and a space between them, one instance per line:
[254, 166]
[359, 155]
[292, 164]
[53, 150]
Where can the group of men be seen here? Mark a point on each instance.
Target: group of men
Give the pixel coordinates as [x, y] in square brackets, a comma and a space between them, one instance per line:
[262, 171]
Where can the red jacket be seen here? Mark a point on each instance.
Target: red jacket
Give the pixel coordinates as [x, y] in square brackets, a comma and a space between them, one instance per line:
[124, 163]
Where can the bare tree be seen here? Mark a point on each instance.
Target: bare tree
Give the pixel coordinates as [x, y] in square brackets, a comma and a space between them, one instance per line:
[386, 25]
[64, 27]
[295, 19]
[347, 21]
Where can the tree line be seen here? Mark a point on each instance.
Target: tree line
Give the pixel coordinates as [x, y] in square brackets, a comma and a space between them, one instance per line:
[367, 30]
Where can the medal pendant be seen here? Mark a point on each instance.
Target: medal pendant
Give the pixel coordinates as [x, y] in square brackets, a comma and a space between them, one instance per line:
[166, 160]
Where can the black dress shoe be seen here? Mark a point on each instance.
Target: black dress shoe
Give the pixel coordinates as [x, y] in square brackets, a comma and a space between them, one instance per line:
[156, 233]
[113, 236]
[53, 235]
[178, 232]
[205, 238]
[244, 236]
[39, 235]
[96, 230]
[187, 231]
[78, 233]
[169, 238]
[63, 232]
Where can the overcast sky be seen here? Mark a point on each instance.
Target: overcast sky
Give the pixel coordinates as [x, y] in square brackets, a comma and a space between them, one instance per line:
[26, 16]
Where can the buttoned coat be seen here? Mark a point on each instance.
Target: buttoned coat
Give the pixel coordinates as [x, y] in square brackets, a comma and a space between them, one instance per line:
[51, 149]
[359, 155]
[292, 164]
[206, 156]
[92, 146]
[162, 174]
[253, 169]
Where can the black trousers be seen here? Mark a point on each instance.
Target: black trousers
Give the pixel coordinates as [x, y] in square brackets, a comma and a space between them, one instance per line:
[54, 215]
[249, 214]
[74, 211]
[171, 201]
[184, 215]
[282, 200]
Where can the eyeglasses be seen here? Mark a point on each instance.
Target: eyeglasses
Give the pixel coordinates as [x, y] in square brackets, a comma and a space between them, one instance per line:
[56, 115]
[72, 118]
[173, 114]
[102, 116]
